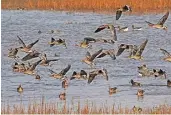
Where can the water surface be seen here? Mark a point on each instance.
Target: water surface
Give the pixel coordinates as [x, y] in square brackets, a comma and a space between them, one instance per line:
[74, 27]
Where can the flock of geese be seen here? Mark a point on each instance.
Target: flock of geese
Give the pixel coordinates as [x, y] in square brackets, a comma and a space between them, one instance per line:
[135, 52]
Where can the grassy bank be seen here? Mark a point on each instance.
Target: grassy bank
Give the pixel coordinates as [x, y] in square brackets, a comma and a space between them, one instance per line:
[43, 107]
[87, 5]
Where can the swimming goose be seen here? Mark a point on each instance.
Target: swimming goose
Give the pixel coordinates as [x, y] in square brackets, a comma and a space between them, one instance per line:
[123, 29]
[90, 58]
[19, 89]
[45, 61]
[159, 72]
[31, 55]
[140, 92]
[12, 53]
[81, 75]
[94, 73]
[110, 27]
[62, 96]
[57, 42]
[168, 83]
[123, 9]
[112, 90]
[37, 77]
[167, 55]
[144, 71]
[136, 28]
[135, 83]
[31, 68]
[19, 67]
[137, 110]
[160, 23]
[61, 74]
[110, 52]
[27, 48]
[65, 83]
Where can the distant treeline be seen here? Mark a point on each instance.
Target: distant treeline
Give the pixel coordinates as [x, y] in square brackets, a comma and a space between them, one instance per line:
[87, 5]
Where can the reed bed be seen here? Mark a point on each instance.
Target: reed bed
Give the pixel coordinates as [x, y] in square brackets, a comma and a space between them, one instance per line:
[88, 5]
[76, 108]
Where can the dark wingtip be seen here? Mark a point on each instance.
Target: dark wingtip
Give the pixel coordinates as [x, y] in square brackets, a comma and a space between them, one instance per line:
[72, 78]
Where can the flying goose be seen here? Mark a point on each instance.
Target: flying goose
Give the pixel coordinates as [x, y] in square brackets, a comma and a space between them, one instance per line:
[26, 48]
[123, 9]
[160, 23]
[61, 74]
[90, 58]
[110, 27]
[167, 55]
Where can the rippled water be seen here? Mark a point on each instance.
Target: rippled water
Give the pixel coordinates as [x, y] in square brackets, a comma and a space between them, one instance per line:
[74, 27]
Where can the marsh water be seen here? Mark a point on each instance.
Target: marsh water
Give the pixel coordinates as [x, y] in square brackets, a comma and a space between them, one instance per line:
[73, 27]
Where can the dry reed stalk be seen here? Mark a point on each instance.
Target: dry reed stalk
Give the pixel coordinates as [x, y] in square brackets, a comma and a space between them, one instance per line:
[88, 5]
[88, 108]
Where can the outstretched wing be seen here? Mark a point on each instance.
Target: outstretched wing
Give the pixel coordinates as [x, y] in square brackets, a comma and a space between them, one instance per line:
[141, 48]
[21, 41]
[82, 72]
[95, 54]
[166, 53]
[163, 19]
[64, 71]
[113, 30]
[112, 54]
[31, 45]
[88, 55]
[122, 47]
[91, 77]
[149, 23]
[52, 72]
[118, 14]
[30, 56]
[102, 54]
[49, 60]
[105, 74]
[100, 28]
[89, 39]
[34, 65]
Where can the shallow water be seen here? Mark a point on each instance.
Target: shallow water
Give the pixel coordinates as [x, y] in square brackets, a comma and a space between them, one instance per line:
[74, 27]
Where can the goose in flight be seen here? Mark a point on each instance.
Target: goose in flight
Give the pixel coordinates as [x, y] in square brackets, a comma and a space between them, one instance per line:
[61, 74]
[94, 73]
[160, 23]
[110, 27]
[26, 48]
[90, 58]
[167, 55]
[123, 9]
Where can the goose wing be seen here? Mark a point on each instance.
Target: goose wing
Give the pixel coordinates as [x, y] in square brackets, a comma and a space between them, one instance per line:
[21, 41]
[118, 14]
[33, 66]
[31, 45]
[91, 77]
[64, 71]
[122, 47]
[163, 19]
[166, 53]
[30, 56]
[141, 48]
[95, 54]
[102, 27]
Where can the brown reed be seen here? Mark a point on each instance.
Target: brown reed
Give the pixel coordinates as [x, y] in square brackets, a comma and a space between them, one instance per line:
[87, 108]
[88, 5]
